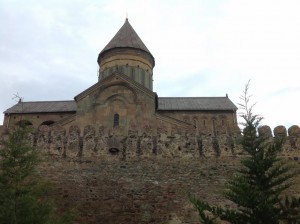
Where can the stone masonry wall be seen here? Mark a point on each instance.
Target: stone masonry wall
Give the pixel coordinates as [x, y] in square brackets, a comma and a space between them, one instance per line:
[141, 190]
[142, 178]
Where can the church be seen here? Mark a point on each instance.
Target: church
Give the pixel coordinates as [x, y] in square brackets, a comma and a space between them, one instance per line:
[122, 100]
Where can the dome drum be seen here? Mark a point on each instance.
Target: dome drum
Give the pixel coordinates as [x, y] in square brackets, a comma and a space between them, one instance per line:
[126, 53]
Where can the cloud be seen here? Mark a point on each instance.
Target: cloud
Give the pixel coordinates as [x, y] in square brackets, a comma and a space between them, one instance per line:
[48, 49]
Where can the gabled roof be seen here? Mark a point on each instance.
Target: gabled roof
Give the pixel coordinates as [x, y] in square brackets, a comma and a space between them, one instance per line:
[126, 37]
[195, 103]
[106, 80]
[42, 107]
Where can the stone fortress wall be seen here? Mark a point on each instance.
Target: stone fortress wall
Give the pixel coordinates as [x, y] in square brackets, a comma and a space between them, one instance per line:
[142, 178]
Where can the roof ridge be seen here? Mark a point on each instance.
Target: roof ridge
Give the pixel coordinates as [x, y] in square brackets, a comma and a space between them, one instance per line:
[195, 97]
[47, 101]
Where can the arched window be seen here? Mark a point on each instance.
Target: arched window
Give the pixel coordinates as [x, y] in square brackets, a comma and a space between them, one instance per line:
[116, 120]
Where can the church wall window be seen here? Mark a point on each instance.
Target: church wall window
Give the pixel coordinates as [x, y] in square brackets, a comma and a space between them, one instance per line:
[138, 75]
[126, 70]
[214, 125]
[151, 82]
[116, 120]
[121, 69]
[105, 73]
[143, 77]
[132, 73]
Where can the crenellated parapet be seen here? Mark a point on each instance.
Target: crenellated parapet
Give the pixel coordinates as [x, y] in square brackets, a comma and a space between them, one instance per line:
[291, 137]
[96, 141]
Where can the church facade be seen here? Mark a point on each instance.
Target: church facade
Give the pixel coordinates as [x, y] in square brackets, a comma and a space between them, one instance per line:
[123, 101]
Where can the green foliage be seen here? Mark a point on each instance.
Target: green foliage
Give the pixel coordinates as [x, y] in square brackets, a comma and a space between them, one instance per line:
[22, 194]
[257, 189]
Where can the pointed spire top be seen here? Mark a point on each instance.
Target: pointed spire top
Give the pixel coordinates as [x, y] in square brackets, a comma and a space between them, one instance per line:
[126, 37]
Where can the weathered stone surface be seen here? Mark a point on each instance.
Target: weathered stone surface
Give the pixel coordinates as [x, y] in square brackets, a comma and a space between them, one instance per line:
[280, 131]
[58, 141]
[294, 131]
[73, 147]
[43, 138]
[265, 131]
[136, 191]
[141, 178]
[139, 190]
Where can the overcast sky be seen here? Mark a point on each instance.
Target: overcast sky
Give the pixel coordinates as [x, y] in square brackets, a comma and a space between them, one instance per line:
[49, 48]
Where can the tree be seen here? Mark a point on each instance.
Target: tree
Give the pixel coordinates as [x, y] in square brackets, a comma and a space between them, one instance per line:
[257, 189]
[22, 193]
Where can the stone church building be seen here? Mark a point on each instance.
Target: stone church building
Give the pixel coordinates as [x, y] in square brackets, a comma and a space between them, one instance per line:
[122, 100]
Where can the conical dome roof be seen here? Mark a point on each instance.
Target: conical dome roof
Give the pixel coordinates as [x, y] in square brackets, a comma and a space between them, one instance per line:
[126, 37]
